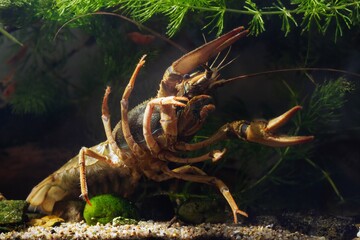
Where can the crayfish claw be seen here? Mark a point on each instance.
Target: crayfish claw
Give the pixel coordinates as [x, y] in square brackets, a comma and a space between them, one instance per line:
[281, 120]
[175, 76]
[264, 132]
[284, 141]
[202, 54]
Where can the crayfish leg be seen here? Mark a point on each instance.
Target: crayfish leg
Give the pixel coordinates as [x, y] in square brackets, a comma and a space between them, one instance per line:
[82, 168]
[214, 155]
[194, 174]
[168, 122]
[134, 147]
[105, 117]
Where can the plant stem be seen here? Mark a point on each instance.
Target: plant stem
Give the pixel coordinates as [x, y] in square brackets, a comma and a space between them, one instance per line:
[275, 166]
[272, 12]
[9, 36]
[328, 178]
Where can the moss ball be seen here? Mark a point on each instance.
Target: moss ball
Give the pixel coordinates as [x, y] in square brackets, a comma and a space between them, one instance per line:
[104, 208]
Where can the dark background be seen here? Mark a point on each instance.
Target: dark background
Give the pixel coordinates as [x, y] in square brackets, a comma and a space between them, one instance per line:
[34, 145]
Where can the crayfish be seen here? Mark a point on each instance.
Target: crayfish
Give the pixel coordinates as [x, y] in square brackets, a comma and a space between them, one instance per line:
[155, 132]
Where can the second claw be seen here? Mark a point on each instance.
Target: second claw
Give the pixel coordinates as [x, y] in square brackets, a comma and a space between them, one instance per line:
[264, 132]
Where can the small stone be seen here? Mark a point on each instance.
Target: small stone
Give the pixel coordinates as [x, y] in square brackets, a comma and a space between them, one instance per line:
[47, 221]
[122, 221]
[12, 211]
[70, 211]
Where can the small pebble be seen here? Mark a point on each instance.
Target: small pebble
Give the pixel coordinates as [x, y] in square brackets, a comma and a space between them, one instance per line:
[151, 229]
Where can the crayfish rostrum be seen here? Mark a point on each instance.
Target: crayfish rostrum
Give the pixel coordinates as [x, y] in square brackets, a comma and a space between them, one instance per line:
[153, 134]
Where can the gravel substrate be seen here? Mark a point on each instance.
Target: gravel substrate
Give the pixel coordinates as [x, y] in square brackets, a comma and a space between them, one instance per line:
[151, 229]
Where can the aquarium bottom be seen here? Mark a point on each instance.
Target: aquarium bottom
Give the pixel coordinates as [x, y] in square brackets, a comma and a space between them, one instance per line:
[268, 229]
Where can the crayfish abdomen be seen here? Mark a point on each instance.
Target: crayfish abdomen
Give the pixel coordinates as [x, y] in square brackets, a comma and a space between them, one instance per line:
[63, 184]
[136, 116]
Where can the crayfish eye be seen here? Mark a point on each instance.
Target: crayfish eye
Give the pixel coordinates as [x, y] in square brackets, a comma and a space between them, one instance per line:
[186, 76]
[208, 74]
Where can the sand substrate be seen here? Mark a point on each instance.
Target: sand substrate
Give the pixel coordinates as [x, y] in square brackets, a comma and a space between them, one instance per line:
[154, 230]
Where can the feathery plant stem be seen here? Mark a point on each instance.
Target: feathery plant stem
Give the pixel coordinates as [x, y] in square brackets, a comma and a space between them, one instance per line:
[270, 172]
[322, 13]
[328, 178]
[307, 14]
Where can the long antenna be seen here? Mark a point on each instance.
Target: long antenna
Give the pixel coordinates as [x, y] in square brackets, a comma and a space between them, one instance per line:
[219, 83]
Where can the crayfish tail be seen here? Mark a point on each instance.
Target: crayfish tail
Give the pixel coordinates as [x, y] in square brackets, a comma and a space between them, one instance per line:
[44, 196]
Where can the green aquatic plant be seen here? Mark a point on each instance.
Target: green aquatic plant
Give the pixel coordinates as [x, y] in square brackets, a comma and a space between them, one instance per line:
[306, 14]
[326, 103]
[35, 24]
[40, 78]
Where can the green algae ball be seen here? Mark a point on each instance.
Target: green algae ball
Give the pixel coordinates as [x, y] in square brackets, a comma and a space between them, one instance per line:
[104, 208]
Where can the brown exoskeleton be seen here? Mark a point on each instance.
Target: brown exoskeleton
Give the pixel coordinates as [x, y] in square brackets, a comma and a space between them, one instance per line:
[152, 134]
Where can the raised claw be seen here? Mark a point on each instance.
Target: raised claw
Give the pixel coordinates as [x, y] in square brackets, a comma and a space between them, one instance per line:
[263, 132]
[203, 53]
[177, 73]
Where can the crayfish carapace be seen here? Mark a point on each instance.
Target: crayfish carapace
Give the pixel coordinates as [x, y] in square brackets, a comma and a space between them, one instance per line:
[152, 134]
